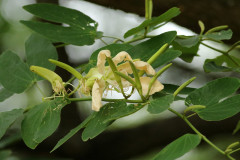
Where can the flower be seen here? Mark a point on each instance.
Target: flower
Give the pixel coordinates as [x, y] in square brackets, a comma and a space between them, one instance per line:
[99, 78]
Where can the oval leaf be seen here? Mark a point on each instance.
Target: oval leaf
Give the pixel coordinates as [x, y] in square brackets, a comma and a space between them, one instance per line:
[160, 104]
[178, 147]
[45, 117]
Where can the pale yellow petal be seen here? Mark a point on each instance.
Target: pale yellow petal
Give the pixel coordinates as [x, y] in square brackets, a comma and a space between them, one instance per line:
[125, 68]
[102, 60]
[144, 66]
[121, 56]
[156, 87]
[97, 91]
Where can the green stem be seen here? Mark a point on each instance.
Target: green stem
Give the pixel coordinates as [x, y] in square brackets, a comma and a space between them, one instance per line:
[106, 100]
[234, 151]
[225, 53]
[40, 90]
[61, 45]
[199, 133]
[103, 41]
[116, 39]
[135, 39]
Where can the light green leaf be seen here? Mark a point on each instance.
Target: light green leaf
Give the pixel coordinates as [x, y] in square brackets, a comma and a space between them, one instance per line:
[160, 104]
[15, 75]
[178, 147]
[38, 51]
[168, 15]
[213, 92]
[4, 94]
[81, 29]
[114, 48]
[72, 132]
[7, 118]
[221, 35]
[222, 110]
[45, 117]
[106, 116]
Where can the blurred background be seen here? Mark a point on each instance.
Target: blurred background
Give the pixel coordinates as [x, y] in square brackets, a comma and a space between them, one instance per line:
[139, 136]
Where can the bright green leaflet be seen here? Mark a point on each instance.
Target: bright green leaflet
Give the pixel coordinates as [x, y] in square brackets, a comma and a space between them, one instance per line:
[15, 75]
[114, 48]
[81, 29]
[7, 118]
[178, 147]
[168, 15]
[221, 35]
[45, 117]
[73, 132]
[106, 116]
[222, 110]
[4, 94]
[213, 92]
[38, 51]
[160, 104]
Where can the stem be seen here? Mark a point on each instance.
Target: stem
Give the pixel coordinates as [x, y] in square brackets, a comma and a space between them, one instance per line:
[61, 45]
[185, 84]
[116, 39]
[225, 53]
[199, 133]
[135, 39]
[40, 90]
[106, 100]
[103, 41]
[234, 151]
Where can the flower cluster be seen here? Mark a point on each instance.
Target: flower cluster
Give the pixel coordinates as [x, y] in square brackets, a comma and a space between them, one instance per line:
[103, 78]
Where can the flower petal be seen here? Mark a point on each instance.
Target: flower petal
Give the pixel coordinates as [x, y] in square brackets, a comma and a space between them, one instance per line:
[102, 60]
[125, 68]
[144, 66]
[97, 92]
[121, 56]
[156, 87]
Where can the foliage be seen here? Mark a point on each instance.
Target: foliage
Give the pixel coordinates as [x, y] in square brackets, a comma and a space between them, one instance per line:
[129, 66]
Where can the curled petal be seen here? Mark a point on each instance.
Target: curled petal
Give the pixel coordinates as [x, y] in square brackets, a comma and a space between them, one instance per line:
[102, 60]
[125, 68]
[144, 66]
[156, 87]
[97, 91]
[121, 56]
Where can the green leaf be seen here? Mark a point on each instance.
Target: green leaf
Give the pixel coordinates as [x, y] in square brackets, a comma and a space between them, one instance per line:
[166, 57]
[160, 104]
[73, 132]
[222, 110]
[15, 75]
[221, 35]
[7, 118]
[4, 94]
[81, 29]
[213, 92]
[188, 46]
[178, 147]
[216, 64]
[114, 48]
[168, 15]
[211, 95]
[106, 116]
[148, 48]
[38, 51]
[45, 117]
